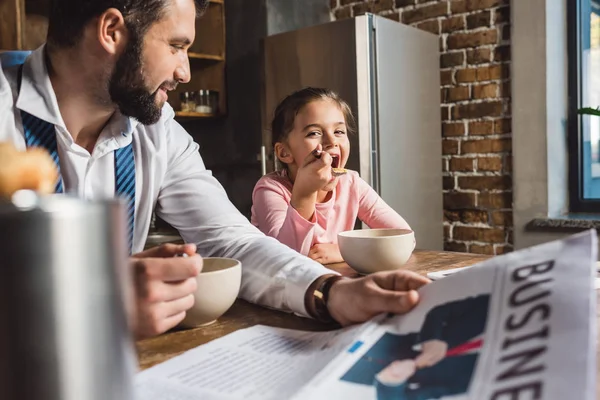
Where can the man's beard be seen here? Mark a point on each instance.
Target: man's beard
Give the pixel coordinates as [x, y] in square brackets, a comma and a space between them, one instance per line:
[127, 88]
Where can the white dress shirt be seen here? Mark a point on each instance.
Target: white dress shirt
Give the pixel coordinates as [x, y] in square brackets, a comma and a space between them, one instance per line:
[170, 177]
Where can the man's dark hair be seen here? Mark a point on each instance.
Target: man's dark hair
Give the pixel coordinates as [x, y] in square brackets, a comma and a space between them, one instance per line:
[67, 18]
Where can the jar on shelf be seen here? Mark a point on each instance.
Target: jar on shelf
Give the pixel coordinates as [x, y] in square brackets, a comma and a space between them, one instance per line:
[206, 101]
[188, 102]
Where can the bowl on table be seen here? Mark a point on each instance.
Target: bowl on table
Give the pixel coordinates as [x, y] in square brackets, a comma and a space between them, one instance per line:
[373, 250]
[218, 287]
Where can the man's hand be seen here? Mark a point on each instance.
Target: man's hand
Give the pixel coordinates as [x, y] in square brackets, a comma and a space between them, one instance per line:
[326, 253]
[397, 372]
[433, 352]
[358, 300]
[164, 287]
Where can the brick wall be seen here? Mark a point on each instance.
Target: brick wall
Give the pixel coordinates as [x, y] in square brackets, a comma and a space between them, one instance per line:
[476, 126]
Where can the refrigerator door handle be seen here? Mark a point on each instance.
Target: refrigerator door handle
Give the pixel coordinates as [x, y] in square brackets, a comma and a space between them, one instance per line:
[263, 160]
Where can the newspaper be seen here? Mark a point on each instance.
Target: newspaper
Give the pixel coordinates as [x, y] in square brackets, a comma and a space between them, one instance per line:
[517, 326]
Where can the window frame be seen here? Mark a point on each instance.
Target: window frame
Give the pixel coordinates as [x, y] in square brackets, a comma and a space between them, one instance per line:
[577, 202]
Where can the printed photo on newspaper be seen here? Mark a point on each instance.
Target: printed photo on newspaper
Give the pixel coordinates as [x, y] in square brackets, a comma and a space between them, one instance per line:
[518, 326]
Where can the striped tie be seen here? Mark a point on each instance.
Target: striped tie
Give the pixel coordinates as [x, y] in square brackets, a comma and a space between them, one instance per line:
[39, 133]
[125, 184]
[43, 134]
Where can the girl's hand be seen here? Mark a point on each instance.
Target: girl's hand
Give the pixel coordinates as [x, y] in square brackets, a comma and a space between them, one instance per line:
[314, 172]
[326, 253]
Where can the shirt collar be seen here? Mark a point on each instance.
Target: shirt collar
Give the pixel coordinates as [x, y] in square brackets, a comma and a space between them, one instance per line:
[36, 95]
[37, 98]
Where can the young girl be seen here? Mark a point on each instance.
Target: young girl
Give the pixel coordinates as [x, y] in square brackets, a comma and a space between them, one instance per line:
[307, 203]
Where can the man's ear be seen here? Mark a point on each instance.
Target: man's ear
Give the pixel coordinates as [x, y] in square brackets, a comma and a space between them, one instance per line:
[111, 31]
[283, 153]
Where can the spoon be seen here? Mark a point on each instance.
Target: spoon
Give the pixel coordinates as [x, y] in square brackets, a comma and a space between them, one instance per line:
[336, 171]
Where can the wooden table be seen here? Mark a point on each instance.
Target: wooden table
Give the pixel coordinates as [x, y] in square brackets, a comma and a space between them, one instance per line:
[243, 314]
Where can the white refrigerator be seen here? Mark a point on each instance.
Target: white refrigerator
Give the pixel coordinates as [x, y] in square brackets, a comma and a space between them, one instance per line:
[389, 75]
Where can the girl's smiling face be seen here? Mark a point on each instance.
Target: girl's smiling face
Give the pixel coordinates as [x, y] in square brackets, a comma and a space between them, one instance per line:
[318, 122]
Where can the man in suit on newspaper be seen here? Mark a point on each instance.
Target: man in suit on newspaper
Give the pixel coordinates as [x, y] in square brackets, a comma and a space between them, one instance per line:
[437, 361]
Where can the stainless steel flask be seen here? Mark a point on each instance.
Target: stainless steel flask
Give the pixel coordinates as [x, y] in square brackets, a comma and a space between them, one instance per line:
[64, 287]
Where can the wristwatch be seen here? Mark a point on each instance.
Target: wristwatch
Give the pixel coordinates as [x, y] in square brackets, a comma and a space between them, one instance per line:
[321, 299]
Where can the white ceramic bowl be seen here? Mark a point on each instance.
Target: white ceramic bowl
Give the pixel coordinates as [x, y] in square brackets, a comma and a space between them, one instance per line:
[218, 287]
[373, 250]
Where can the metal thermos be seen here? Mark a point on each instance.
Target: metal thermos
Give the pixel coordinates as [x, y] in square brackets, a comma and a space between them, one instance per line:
[64, 287]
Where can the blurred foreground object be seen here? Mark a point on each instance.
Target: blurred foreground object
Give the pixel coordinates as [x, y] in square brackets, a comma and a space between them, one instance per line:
[33, 169]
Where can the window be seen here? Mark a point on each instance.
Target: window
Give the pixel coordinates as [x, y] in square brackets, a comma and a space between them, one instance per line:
[584, 91]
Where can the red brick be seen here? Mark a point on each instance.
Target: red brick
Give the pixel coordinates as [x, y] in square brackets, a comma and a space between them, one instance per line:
[374, 7]
[481, 128]
[479, 20]
[506, 32]
[343, 13]
[493, 72]
[451, 216]
[459, 200]
[502, 53]
[458, 93]
[432, 26]
[394, 17]
[488, 91]
[455, 247]
[361, 9]
[502, 15]
[478, 110]
[426, 12]
[488, 235]
[378, 6]
[503, 126]
[472, 39]
[503, 248]
[446, 77]
[495, 200]
[505, 90]
[449, 147]
[447, 231]
[445, 113]
[404, 3]
[443, 95]
[448, 182]
[466, 75]
[453, 24]
[474, 217]
[491, 164]
[508, 164]
[502, 218]
[461, 6]
[453, 129]
[486, 146]
[501, 182]
[452, 59]
[479, 56]
[481, 249]
[461, 164]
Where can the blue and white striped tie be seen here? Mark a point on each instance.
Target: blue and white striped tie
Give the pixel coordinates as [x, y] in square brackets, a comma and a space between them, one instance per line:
[41, 133]
[125, 184]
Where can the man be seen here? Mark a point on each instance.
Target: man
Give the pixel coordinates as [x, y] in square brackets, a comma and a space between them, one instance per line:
[437, 361]
[95, 96]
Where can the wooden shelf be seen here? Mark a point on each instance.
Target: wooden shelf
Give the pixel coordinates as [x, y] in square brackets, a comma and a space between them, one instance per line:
[192, 114]
[201, 56]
